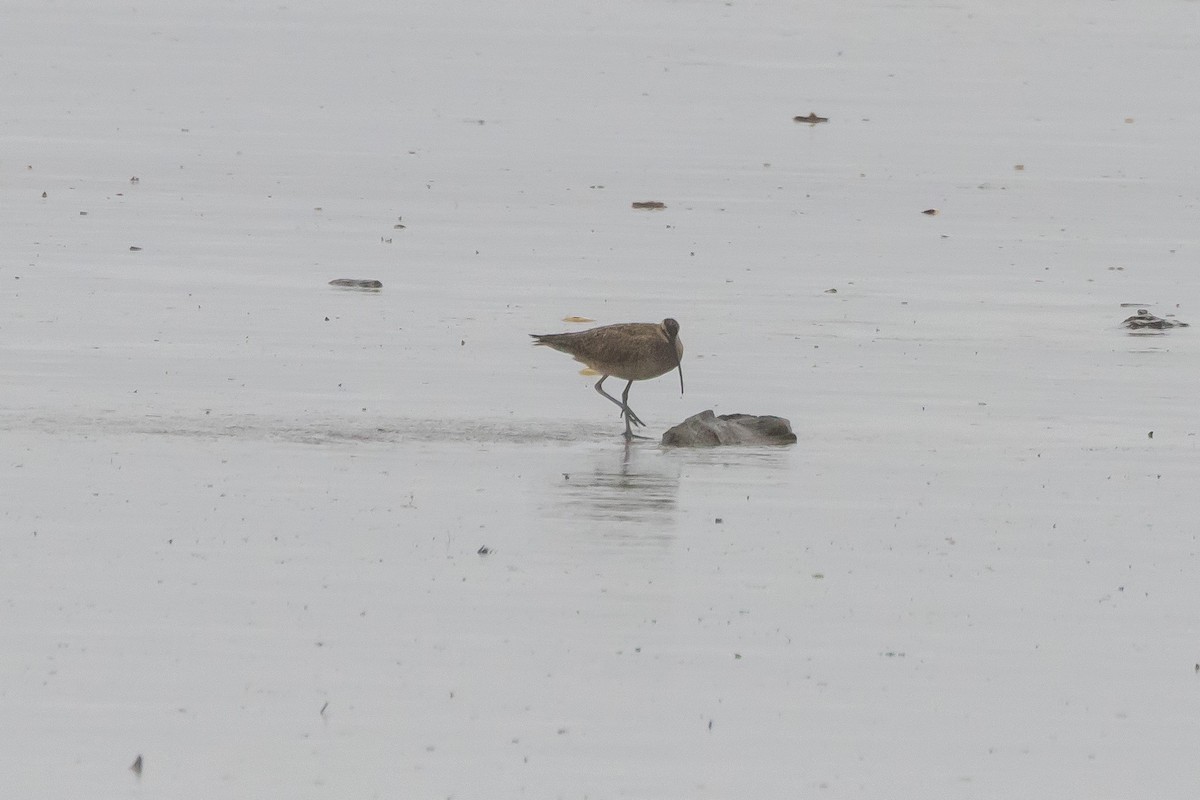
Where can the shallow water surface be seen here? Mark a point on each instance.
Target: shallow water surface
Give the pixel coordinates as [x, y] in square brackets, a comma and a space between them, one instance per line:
[285, 539]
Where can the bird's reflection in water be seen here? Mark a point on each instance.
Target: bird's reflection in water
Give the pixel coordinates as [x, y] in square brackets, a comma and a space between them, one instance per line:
[633, 485]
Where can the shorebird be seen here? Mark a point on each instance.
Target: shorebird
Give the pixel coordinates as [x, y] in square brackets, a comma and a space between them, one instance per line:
[631, 351]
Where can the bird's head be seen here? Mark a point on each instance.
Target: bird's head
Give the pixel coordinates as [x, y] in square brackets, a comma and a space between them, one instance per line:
[671, 329]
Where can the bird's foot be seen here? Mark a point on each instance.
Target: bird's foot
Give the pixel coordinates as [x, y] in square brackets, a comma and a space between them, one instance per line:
[627, 412]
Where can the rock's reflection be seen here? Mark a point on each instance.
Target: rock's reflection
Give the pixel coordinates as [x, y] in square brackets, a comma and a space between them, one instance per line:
[636, 485]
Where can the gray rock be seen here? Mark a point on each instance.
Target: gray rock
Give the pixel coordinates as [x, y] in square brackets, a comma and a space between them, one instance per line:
[355, 283]
[1143, 319]
[706, 429]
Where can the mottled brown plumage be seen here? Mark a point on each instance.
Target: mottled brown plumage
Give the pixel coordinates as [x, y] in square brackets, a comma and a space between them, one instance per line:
[631, 351]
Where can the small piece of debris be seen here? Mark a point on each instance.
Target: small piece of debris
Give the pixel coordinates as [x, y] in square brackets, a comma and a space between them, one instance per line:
[831, 291]
[1144, 320]
[355, 283]
[1150, 435]
[484, 550]
[1129, 120]
[133, 248]
[134, 179]
[1019, 167]
[136, 766]
[44, 195]
[322, 711]
[930, 212]
[578, 319]
[811, 119]
[653, 205]
[718, 521]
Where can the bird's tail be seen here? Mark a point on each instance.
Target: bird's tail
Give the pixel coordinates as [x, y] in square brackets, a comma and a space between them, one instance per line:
[555, 340]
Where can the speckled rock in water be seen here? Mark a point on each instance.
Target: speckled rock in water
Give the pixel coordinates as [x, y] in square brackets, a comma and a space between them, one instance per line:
[1144, 319]
[706, 429]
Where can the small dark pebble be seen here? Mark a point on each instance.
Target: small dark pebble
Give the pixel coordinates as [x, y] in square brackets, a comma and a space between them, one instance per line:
[484, 550]
[355, 283]
[811, 119]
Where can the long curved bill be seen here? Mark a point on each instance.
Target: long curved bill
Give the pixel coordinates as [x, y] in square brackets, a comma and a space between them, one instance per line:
[680, 366]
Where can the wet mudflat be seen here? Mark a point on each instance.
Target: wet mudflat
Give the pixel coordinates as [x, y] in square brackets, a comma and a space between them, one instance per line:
[277, 537]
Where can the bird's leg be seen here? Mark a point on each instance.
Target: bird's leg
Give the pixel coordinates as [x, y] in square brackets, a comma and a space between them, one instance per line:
[600, 389]
[629, 434]
[627, 411]
[624, 405]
